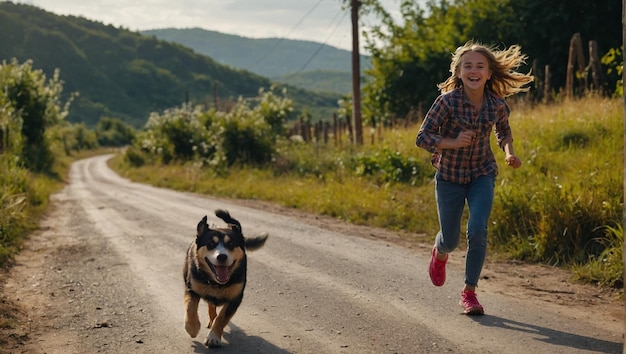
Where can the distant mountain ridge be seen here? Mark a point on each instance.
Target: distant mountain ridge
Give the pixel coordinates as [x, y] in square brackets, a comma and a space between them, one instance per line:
[124, 74]
[322, 67]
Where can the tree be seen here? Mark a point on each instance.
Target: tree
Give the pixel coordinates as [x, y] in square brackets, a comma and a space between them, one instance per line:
[35, 105]
[544, 32]
[411, 56]
[408, 59]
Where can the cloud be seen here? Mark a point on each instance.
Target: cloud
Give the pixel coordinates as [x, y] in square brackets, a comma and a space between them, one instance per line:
[316, 20]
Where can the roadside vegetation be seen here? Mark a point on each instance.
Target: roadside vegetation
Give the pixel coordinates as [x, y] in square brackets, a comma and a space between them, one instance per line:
[37, 146]
[562, 208]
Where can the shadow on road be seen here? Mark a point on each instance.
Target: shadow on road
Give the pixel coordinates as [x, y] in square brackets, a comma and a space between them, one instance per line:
[237, 341]
[552, 336]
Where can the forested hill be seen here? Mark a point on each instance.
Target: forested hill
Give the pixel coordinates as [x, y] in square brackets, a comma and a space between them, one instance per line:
[119, 73]
[291, 61]
[270, 57]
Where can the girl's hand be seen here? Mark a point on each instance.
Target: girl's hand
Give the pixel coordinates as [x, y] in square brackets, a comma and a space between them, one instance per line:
[513, 161]
[464, 138]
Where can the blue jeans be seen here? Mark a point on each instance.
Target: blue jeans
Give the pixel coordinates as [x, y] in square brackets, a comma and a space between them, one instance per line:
[451, 198]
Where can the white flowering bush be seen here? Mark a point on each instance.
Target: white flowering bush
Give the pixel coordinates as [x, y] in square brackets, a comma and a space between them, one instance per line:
[274, 109]
[174, 134]
[246, 135]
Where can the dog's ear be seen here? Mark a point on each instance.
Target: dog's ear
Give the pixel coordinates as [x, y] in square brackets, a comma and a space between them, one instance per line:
[202, 226]
[225, 215]
[256, 242]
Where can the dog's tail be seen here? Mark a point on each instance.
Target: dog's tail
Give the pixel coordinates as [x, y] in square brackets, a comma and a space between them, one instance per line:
[251, 244]
[256, 242]
[225, 215]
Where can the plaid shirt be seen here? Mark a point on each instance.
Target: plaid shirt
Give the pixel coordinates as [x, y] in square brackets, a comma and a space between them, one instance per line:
[452, 113]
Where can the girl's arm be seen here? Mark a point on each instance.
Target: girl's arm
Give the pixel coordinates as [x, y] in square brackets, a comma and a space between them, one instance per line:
[462, 140]
[511, 159]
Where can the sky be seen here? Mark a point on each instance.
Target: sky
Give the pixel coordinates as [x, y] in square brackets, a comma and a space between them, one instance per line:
[322, 21]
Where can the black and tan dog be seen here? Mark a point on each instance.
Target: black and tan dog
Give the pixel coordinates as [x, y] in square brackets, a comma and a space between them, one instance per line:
[215, 270]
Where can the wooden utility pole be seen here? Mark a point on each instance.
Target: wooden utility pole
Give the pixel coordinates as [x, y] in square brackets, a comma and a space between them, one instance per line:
[356, 75]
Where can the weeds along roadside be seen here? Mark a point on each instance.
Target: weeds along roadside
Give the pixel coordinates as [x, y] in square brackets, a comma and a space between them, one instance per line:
[563, 207]
[25, 196]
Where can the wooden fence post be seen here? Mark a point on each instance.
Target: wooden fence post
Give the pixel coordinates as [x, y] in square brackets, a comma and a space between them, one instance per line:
[335, 129]
[580, 58]
[569, 79]
[575, 54]
[304, 130]
[341, 131]
[317, 129]
[594, 65]
[546, 84]
[349, 124]
[308, 131]
[326, 131]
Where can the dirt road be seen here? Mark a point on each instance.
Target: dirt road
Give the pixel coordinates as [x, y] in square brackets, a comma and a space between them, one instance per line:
[105, 275]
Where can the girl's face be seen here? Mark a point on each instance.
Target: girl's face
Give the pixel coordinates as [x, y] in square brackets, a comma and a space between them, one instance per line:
[474, 71]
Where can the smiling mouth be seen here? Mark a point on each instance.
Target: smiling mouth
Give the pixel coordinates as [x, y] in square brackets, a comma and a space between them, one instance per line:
[222, 272]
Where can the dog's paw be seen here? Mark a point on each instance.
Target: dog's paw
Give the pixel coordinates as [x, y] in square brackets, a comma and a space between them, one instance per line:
[213, 341]
[192, 327]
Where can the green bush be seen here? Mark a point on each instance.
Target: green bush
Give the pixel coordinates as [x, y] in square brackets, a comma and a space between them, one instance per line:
[134, 157]
[114, 132]
[245, 135]
[34, 104]
[174, 134]
[296, 158]
[386, 165]
[606, 268]
[242, 136]
[67, 138]
[29, 112]
[614, 62]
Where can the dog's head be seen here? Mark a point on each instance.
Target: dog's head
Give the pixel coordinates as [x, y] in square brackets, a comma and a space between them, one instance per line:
[220, 251]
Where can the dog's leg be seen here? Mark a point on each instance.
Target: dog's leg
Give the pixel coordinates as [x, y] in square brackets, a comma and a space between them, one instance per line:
[214, 339]
[192, 322]
[212, 314]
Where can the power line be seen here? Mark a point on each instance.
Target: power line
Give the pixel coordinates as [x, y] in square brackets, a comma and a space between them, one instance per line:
[286, 35]
[325, 41]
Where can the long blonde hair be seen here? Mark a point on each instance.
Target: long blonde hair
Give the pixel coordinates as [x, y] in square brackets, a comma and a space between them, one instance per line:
[505, 81]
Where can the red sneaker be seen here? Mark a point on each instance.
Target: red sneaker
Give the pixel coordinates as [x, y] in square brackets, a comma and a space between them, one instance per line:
[437, 269]
[470, 304]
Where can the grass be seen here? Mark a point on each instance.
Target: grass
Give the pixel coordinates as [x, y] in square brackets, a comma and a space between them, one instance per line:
[24, 198]
[353, 199]
[557, 208]
[605, 269]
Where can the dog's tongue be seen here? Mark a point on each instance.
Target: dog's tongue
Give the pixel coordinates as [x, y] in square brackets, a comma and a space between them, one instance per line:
[222, 273]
